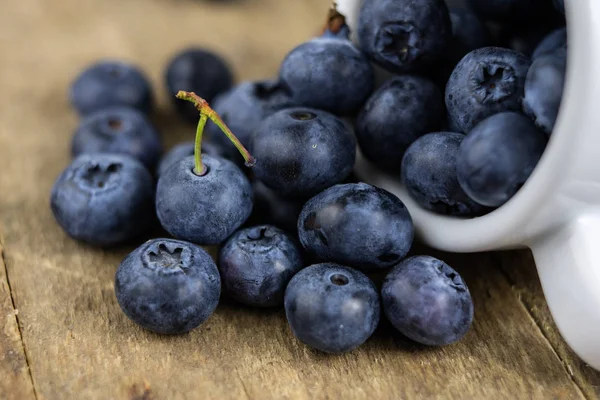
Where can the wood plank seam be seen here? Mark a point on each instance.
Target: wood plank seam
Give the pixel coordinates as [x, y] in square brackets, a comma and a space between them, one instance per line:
[16, 314]
[538, 325]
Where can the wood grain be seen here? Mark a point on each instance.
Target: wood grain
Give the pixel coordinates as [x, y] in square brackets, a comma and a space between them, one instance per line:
[79, 343]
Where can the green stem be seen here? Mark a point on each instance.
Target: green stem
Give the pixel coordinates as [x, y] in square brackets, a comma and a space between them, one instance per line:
[199, 168]
[208, 113]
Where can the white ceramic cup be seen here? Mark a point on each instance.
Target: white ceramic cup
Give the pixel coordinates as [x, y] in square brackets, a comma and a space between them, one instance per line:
[557, 212]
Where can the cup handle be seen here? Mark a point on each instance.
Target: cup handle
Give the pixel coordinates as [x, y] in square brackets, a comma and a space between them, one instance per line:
[568, 262]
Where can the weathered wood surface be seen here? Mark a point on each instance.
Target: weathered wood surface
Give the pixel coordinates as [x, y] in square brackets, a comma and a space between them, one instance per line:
[78, 343]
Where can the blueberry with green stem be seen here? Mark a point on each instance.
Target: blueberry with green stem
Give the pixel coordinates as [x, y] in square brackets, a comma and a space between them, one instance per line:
[203, 199]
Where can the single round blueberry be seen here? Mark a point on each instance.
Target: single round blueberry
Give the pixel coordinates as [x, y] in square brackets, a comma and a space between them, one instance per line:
[200, 71]
[108, 84]
[497, 157]
[400, 111]
[302, 151]
[404, 36]
[485, 82]
[256, 265]
[429, 174]
[544, 89]
[203, 209]
[243, 108]
[508, 10]
[358, 225]
[332, 308]
[186, 149]
[427, 301]
[273, 209]
[120, 130]
[554, 41]
[329, 74]
[168, 286]
[104, 199]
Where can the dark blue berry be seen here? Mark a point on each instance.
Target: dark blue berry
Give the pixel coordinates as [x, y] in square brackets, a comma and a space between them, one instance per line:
[332, 308]
[358, 225]
[429, 174]
[400, 111]
[328, 73]
[200, 71]
[497, 157]
[108, 84]
[300, 151]
[203, 209]
[485, 82]
[104, 199]
[119, 130]
[427, 301]
[404, 36]
[186, 149]
[554, 41]
[243, 108]
[508, 10]
[168, 286]
[256, 265]
[544, 89]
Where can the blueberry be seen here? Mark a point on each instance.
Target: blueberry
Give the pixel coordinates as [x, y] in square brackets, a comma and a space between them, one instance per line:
[429, 174]
[301, 151]
[328, 73]
[111, 83]
[256, 265]
[200, 71]
[554, 41]
[404, 36]
[119, 130]
[243, 108]
[400, 111]
[485, 82]
[271, 208]
[544, 89]
[332, 308]
[103, 199]
[508, 10]
[358, 225]
[497, 157]
[427, 301]
[203, 209]
[186, 149]
[168, 286]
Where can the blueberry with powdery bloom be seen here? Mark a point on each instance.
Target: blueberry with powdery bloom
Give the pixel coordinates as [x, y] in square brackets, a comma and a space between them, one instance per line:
[332, 308]
[111, 83]
[487, 81]
[256, 265]
[404, 35]
[429, 175]
[403, 109]
[328, 72]
[168, 286]
[243, 108]
[544, 89]
[427, 301]
[301, 151]
[186, 149]
[104, 199]
[358, 225]
[200, 71]
[554, 41]
[120, 130]
[497, 157]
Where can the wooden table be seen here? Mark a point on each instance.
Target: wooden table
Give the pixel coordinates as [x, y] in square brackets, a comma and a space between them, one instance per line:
[63, 335]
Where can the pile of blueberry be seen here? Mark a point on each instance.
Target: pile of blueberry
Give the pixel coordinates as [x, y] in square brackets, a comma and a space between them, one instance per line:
[297, 230]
